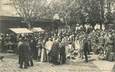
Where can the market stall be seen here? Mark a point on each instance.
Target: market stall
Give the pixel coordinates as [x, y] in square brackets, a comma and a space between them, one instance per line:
[38, 29]
[20, 30]
[11, 43]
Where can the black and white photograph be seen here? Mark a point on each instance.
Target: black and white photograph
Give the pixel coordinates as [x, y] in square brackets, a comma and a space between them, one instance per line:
[57, 35]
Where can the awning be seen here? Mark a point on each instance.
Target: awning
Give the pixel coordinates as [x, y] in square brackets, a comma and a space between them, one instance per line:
[20, 30]
[37, 29]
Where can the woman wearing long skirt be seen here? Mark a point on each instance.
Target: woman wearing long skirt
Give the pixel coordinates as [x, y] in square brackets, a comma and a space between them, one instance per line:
[54, 53]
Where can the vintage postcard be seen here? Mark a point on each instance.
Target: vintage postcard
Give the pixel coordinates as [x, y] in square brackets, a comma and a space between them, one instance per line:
[57, 35]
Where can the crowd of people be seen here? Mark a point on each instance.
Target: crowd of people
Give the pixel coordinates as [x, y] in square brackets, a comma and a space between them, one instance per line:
[53, 49]
[59, 47]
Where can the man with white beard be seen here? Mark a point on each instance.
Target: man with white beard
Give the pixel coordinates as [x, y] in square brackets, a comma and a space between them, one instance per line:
[48, 47]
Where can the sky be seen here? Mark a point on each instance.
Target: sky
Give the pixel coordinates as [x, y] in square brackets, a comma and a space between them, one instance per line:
[6, 9]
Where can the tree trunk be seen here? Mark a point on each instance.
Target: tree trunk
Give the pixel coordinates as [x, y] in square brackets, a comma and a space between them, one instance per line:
[29, 26]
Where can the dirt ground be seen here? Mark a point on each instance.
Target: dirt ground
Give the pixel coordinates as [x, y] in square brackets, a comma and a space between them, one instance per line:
[10, 64]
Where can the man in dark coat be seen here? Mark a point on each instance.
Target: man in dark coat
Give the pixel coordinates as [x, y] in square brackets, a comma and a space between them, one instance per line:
[113, 38]
[33, 48]
[2, 43]
[30, 55]
[24, 53]
[113, 47]
[85, 48]
[62, 54]
[39, 48]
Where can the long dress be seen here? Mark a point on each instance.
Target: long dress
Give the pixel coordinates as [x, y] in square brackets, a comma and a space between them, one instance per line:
[54, 53]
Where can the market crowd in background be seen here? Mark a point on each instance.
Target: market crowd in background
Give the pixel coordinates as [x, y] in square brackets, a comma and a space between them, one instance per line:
[59, 47]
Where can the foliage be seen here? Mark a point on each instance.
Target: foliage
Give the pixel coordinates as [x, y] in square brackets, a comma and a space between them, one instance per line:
[29, 9]
[71, 11]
